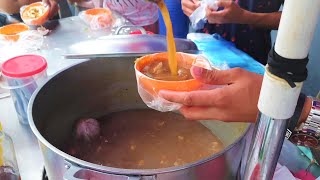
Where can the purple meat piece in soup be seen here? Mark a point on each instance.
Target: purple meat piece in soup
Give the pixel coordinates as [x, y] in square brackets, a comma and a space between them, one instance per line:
[87, 129]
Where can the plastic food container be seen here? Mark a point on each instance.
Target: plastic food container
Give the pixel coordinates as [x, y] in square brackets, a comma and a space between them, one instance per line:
[149, 88]
[11, 32]
[97, 18]
[22, 75]
[8, 163]
[34, 14]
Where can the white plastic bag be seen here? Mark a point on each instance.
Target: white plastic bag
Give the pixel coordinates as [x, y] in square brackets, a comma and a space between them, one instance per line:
[283, 173]
[29, 42]
[98, 20]
[198, 17]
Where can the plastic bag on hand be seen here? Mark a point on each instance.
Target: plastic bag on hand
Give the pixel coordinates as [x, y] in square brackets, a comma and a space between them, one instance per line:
[198, 17]
[148, 88]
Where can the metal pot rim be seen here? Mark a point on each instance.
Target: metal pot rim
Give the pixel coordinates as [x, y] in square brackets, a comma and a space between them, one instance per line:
[106, 169]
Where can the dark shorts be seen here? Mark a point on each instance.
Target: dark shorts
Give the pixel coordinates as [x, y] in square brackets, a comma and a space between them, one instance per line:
[16, 16]
[252, 40]
[3, 19]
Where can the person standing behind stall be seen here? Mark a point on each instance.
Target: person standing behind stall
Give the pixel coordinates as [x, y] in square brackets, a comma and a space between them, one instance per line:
[138, 12]
[81, 5]
[247, 23]
[12, 8]
[6, 19]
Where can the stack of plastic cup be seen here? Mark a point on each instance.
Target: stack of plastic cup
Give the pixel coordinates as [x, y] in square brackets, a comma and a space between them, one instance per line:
[180, 22]
[8, 162]
[23, 75]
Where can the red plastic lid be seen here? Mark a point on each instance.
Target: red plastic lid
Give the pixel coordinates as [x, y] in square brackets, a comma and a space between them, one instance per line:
[24, 66]
[139, 32]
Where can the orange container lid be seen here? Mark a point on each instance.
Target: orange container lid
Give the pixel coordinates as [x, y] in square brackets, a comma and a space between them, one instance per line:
[154, 85]
[98, 11]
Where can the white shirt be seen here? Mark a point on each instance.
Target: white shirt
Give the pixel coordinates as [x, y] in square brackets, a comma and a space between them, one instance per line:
[138, 12]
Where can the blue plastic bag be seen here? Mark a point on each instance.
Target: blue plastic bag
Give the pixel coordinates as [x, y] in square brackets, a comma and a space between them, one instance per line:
[219, 51]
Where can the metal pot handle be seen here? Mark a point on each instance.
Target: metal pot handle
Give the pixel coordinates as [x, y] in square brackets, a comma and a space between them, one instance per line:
[75, 172]
[143, 31]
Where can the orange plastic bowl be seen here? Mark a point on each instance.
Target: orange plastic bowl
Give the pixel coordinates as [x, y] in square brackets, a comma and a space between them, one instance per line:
[153, 86]
[91, 13]
[11, 32]
[98, 11]
[35, 14]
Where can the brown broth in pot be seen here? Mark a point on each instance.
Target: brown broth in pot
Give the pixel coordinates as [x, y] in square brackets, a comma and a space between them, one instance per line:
[147, 139]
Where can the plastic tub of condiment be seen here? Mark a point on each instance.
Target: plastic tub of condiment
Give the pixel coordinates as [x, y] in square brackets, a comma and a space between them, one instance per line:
[149, 87]
[22, 75]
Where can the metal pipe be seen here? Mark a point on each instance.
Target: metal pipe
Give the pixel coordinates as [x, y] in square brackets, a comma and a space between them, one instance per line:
[265, 148]
[277, 98]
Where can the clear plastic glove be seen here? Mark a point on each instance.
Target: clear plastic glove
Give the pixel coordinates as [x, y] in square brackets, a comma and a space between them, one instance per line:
[198, 17]
[230, 12]
[189, 6]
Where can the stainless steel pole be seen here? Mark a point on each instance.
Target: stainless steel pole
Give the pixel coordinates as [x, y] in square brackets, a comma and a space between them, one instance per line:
[277, 98]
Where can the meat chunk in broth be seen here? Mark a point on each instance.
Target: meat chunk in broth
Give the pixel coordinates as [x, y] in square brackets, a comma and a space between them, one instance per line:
[87, 129]
[160, 70]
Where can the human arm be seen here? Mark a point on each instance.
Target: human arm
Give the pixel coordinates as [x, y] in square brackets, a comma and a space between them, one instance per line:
[233, 13]
[13, 6]
[74, 1]
[235, 100]
[305, 111]
[53, 7]
[189, 6]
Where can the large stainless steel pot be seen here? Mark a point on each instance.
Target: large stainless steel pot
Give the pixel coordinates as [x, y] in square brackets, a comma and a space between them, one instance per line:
[97, 87]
